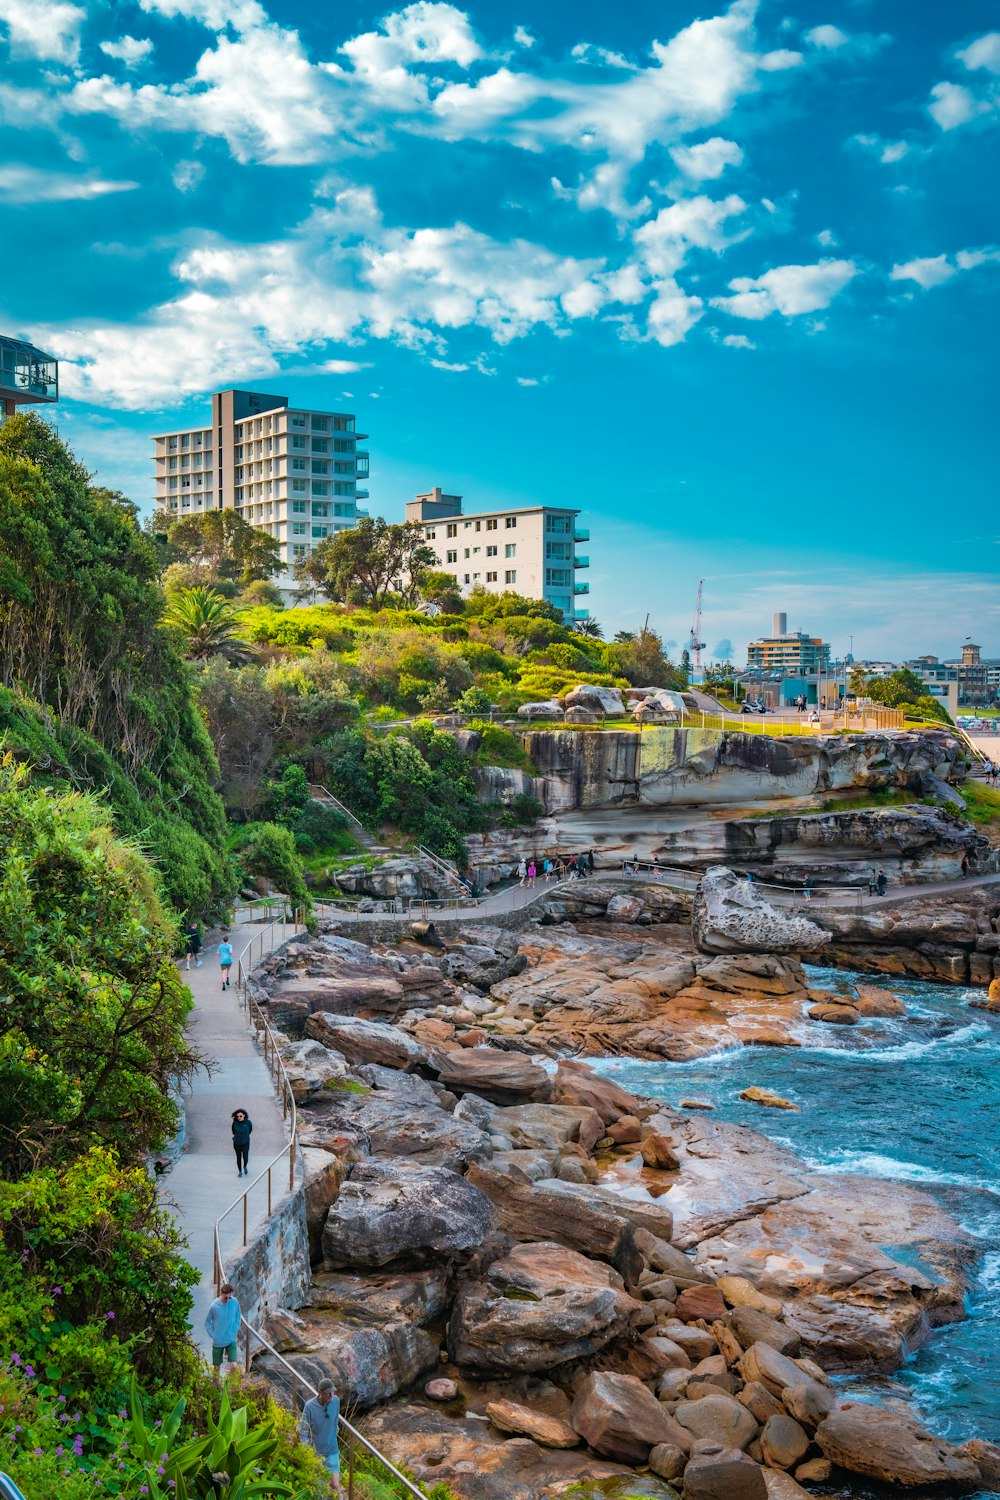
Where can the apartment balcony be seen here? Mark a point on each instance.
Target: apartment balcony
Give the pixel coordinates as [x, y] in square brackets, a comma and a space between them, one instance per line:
[581, 588]
[581, 614]
[362, 459]
[581, 535]
[361, 495]
[581, 562]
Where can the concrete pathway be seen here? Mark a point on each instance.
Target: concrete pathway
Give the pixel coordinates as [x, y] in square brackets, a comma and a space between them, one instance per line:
[204, 1182]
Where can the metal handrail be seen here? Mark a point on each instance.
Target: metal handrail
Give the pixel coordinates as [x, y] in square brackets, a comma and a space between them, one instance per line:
[277, 1069]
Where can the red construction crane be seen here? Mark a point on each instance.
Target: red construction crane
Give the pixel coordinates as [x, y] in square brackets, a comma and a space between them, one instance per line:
[697, 645]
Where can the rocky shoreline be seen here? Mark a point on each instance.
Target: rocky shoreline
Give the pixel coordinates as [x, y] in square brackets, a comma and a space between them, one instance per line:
[537, 1284]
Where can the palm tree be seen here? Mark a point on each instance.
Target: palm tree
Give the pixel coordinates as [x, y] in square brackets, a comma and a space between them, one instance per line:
[207, 622]
[589, 627]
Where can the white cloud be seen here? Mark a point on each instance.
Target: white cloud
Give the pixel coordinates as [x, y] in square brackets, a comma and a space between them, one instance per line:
[827, 239]
[984, 52]
[708, 160]
[46, 29]
[827, 38]
[587, 52]
[130, 50]
[443, 364]
[186, 175]
[738, 341]
[523, 37]
[527, 380]
[215, 14]
[888, 152]
[24, 184]
[662, 243]
[935, 270]
[672, 313]
[259, 92]
[781, 60]
[791, 290]
[426, 32]
[343, 366]
[953, 105]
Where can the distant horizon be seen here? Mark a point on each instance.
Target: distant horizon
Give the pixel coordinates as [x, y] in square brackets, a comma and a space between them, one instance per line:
[725, 280]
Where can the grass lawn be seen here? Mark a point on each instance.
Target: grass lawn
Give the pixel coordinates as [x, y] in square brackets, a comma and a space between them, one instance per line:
[982, 803]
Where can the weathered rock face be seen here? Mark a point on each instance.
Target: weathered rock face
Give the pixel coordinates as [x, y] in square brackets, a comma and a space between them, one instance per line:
[311, 1067]
[539, 1307]
[621, 1419]
[392, 1129]
[599, 700]
[955, 938]
[889, 1446]
[503, 1078]
[732, 916]
[662, 765]
[371, 1357]
[386, 1213]
[366, 1041]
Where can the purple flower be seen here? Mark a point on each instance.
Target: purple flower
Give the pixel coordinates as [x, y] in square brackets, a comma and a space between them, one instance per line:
[60, 1451]
[60, 1398]
[37, 1450]
[15, 1359]
[144, 1489]
[29, 1372]
[57, 1291]
[109, 1316]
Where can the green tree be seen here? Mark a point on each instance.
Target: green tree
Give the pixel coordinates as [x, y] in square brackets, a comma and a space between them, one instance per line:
[371, 562]
[268, 851]
[589, 627]
[207, 624]
[94, 1007]
[225, 544]
[684, 670]
[857, 682]
[642, 660]
[440, 588]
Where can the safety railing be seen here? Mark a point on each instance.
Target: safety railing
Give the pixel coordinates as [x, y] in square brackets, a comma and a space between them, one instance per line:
[262, 942]
[444, 869]
[688, 880]
[374, 1464]
[325, 797]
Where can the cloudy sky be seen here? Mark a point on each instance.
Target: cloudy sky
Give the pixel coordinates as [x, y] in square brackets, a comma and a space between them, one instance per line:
[723, 276]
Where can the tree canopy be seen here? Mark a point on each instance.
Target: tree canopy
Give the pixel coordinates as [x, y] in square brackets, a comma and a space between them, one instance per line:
[371, 562]
[222, 542]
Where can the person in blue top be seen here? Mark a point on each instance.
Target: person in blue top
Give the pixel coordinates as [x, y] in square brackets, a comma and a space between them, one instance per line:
[222, 1324]
[225, 959]
[318, 1425]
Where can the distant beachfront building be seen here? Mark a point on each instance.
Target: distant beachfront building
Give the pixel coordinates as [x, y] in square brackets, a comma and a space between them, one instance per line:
[28, 377]
[289, 472]
[528, 549]
[792, 653]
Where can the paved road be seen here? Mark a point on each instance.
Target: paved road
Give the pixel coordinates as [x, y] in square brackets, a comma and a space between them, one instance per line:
[204, 1181]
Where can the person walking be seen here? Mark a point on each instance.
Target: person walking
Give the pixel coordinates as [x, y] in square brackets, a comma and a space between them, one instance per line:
[222, 1324]
[225, 959]
[590, 862]
[581, 866]
[881, 883]
[532, 873]
[522, 873]
[242, 1131]
[319, 1425]
[192, 939]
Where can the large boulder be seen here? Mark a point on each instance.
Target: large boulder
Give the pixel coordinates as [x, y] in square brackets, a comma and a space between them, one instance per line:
[719, 1418]
[731, 916]
[550, 1431]
[621, 1419]
[386, 1212]
[598, 700]
[548, 1127]
[574, 1216]
[396, 1128]
[539, 1307]
[501, 1077]
[366, 1041]
[575, 1083]
[550, 708]
[717, 1473]
[368, 1358]
[310, 1067]
[892, 1447]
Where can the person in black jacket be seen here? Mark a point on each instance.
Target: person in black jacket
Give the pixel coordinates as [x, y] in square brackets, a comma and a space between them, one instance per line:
[242, 1129]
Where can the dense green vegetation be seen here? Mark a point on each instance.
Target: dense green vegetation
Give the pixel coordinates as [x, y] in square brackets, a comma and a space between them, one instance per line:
[901, 689]
[93, 691]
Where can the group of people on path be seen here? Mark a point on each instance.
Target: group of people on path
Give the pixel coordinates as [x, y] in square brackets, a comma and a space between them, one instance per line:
[192, 946]
[319, 1422]
[555, 867]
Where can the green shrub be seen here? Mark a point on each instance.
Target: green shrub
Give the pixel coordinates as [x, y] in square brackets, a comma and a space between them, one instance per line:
[267, 851]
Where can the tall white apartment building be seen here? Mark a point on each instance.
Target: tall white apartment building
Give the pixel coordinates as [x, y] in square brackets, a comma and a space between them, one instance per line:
[291, 473]
[529, 550]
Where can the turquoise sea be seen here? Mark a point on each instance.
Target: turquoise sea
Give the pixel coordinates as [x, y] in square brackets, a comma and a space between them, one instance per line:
[913, 1100]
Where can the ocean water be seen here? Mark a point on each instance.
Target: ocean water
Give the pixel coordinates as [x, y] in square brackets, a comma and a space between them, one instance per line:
[913, 1100]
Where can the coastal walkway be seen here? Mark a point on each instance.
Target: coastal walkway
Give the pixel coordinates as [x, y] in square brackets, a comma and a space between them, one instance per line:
[203, 1182]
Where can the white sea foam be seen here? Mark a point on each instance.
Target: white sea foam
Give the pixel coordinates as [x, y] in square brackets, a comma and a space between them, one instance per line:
[905, 1050]
[872, 1164]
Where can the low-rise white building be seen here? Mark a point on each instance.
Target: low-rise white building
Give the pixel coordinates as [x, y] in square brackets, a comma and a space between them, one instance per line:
[528, 550]
[291, 473]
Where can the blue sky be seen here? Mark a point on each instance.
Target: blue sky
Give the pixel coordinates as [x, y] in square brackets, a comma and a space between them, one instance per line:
[723, 276]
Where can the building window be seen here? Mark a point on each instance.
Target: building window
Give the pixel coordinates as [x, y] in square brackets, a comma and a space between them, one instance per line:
[298, 528]
[510, 576]
[343, 510]
[319, 531]
[466, 553]
[299, 465]
[430, 535]
[451, 556]
[466, 578]
[319, 466]
[320, 445]
[297, 419]
[343, 424]
[299, 549]
[320, 487]
[343, 489]
[510, 522]
[491, 551]
[491, 525]
[491, 578]
[320, 510]
[299, 485]
[510, 550]
[342, 466]
[343, 445]
[298, 507]
[479, 526]
[298, 442]
[476, 577]
[451, 530]
[320, 424]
